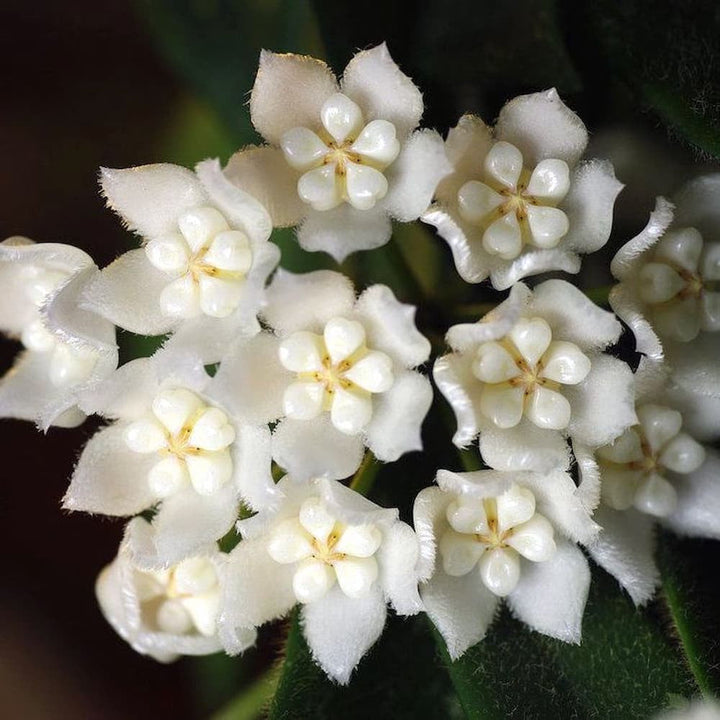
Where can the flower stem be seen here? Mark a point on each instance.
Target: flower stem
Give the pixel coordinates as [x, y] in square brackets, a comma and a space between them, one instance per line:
[364, 478]
[599, 295]
[251, 702]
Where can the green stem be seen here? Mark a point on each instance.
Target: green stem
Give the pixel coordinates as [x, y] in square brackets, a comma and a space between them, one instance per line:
[599, 295]
[364, 478]
[473, 310]
[254, 699]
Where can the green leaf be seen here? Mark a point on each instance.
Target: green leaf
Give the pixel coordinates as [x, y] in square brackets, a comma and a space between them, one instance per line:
[397, 679]
[627, 666]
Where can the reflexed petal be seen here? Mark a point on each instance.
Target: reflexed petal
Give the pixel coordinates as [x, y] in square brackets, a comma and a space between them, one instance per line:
[316, 519]
[514, 507]
[303, 400]
[356, 575]
[302, 148]
[565, 363]
[167, 477]
[494, 364]
[200, 225]
[145, 436]
[230, 250]
[502, 404]
[319, 188]
[378, 142]
[365, 185]
[460, 552]
[398, 558]
[678, 320]
[550, 180]
[547, 225]
[174, 407]
[181, 298]
[619, 486]
[531, 336]
[658, 282]
[373, 372]
[467, 515]
[476, 200]
[659, 424]
[350, 412]
[342, 338]
[534, 539]
[289, 542]
[168, 254]
[656, 496]
[209, 472]
[212, 431]
[341, 117]
[302, 352]
[681, 247]
[503, 237]
[359, 540]
[504, 163]
[500, 570]
[682, 454]
[710, 311]
[548, 409]
[219, 297]
[312, 579]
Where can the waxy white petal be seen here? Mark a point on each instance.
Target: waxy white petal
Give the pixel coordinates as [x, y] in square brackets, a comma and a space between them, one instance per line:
[548, 409]
[342, 338]
[364, 185]
[230, 250]
[548, 225]
[200, 225]
[681, 247]
[467, 515]
[678, 320]
[320, 188]
[341, 117]
[627, 448]
[359, 540]
[181, 298]
[356, 576]
[212, 431]
[303, 400]
[658, 282]
[312, 579]
[500, 570]
[659, 424]
[145, 436]
[350, 412]
[37, 337]
[502, 404]
[619, 486]
[531, 336]
[504, 237]
[476, 200]
[209, 472]
[377, 142]
[504, 163]
[494, 364]
[289, 542]
[204, 612]
[173, 618]
[316, 519]
[565, 363]
[710, 268]
[373, 372]
[302, 352]
[514, 507]
[69, 365]
[169, 254]
[550, 180]
[682, 454]
[534, 539]
[174, 407]
[168, 476]
[656, 496]
[219, 297]
[460, 552]
[710, 303]
[302, 148]
[194, 576]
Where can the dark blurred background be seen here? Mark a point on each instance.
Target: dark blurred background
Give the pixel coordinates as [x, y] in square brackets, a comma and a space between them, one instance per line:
[86, 84]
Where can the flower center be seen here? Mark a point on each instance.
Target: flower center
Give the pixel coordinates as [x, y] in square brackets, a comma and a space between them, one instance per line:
[514, 206]
[334, 372]
[192, 438]
[210, 262]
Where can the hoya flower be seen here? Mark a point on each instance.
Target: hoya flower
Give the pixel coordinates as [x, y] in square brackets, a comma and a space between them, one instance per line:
[668, 291]
[337, 372]
[489, 535]
[654, 472]
[531, 373]
[173, 445]
[171, 611]
[205, 258]
[519, 201]
[345, 157]
[340, 556]
[67, 349]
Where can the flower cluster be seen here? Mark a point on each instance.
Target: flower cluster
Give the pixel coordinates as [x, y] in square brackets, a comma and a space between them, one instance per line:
[266, 374]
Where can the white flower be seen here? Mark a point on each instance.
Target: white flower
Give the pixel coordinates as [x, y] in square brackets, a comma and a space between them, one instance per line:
[654, 472]
[518, 202]
[205, 259]
[668, 291]
[705, 709]
[339, 555]
[532, 372]
[488, 535]
[338, 372]
[173, 444]
[346, 156]
[67, 349]
[169, 611]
